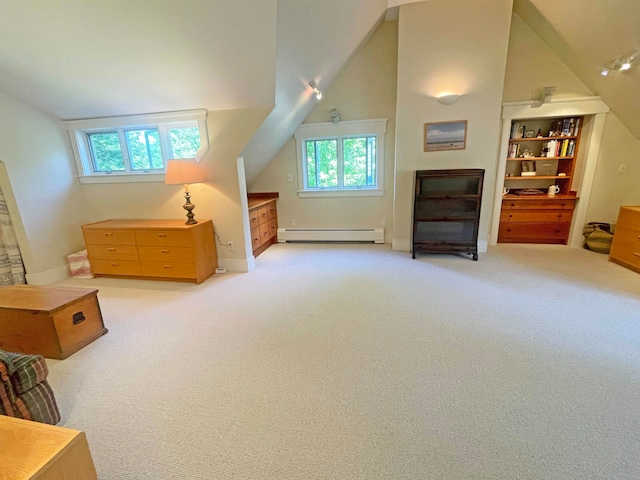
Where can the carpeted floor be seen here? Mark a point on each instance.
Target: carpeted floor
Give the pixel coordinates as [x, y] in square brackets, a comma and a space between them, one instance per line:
[356, 362]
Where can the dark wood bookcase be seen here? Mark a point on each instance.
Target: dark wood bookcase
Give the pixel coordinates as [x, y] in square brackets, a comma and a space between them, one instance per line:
[446, 211]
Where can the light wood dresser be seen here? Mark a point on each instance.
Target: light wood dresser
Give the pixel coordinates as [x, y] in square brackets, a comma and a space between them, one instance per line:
[46, 452]
[263, 218]
[152, 249]
[625, 249]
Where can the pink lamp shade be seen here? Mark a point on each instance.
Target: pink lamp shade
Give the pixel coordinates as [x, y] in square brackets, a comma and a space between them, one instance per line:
[183, 171]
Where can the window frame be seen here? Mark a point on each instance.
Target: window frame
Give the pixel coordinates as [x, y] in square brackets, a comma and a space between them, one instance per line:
[340, 131]
[79, 131]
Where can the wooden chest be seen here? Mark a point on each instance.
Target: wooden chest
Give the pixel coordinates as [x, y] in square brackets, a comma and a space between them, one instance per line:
[50, 321]
[152, 249]
[625, 249]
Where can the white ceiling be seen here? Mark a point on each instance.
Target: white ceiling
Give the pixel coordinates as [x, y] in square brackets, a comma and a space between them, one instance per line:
[94, 58]
[587, 34]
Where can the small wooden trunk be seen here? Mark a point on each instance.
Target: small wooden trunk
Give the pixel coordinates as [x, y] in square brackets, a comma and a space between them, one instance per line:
[50, 321]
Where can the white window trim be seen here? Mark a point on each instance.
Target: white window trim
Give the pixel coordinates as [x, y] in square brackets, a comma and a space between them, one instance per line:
[77, 130]
[306, 131]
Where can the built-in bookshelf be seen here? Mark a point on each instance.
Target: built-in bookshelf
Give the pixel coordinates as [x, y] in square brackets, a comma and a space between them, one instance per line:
[542, 152]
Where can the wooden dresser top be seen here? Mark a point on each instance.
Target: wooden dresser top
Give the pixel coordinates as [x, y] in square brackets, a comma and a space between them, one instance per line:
[132, 224]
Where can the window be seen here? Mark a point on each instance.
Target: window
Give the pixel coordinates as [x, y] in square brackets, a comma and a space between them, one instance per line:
[341, 159]
[136, 148]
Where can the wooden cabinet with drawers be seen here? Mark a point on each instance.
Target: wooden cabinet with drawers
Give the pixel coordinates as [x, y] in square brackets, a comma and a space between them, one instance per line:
[153, 249]
[263, 219]
[625, 249]
[536, 220]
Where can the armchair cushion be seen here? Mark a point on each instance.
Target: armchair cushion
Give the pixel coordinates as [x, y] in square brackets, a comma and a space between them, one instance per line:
[24, 390]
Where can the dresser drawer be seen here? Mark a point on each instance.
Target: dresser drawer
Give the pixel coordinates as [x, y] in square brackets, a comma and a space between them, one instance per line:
[629, 217]
[253, 218]
[627, 236]
[255, 238]
[536, 216]
[166, 254]
[264, 233]
[271, 211]
[169, 269]
[273, 228]
[109, 237]
[163, 238]
[530, 232]
[625, 254]
[115, 267]
[538, 204]
[263, 214]
[112, 252]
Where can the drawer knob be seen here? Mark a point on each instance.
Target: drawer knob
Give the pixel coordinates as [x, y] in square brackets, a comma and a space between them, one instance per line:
[78, 318]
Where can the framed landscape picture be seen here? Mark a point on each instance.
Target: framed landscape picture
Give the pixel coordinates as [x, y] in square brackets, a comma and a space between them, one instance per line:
[445, 136]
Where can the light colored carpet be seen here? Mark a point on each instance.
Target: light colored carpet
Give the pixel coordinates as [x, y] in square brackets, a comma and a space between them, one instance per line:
[356, 362]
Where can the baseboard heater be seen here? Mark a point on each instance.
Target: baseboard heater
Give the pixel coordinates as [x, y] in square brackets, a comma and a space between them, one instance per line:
[375, 235]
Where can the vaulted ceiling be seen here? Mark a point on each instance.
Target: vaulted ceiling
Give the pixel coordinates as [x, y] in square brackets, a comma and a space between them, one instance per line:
[95, 58]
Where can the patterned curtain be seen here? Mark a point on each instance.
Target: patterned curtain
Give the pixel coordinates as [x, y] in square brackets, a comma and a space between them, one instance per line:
[11, 268]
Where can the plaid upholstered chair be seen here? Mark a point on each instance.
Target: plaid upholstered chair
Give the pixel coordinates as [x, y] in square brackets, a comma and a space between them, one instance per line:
[24, 390]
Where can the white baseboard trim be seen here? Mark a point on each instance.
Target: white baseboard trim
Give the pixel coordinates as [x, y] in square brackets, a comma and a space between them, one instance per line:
[50, 276]
[238, 266]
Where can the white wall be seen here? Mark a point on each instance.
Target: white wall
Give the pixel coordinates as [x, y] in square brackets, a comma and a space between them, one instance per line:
[365, 89]
[460, 47]
[40, 174]
[531, 64]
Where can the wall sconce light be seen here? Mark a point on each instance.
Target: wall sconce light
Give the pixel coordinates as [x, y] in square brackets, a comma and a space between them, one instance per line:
[620, 63]
[316, 90]
[184, 171]
[448, 98]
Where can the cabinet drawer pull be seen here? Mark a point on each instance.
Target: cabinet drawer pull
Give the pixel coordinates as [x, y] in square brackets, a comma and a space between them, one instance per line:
[78, 318]
[162, 235]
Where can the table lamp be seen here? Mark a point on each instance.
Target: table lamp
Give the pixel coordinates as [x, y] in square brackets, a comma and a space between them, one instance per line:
[185, 171]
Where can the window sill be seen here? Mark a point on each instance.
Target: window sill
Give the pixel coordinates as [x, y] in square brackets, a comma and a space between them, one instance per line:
[122, 178]
[362, 192]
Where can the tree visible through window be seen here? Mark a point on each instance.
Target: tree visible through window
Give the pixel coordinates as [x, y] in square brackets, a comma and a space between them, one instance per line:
[341, 159]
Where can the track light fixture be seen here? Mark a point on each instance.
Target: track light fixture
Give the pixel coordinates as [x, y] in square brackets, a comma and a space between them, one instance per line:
[620, 63]
[316, 90]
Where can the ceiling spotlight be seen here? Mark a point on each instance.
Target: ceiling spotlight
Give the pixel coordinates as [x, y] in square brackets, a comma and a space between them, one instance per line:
[620, 63]
[316, 90]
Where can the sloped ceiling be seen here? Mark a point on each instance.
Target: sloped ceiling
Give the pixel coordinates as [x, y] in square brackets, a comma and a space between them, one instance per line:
[94, 58]
[587, 34]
